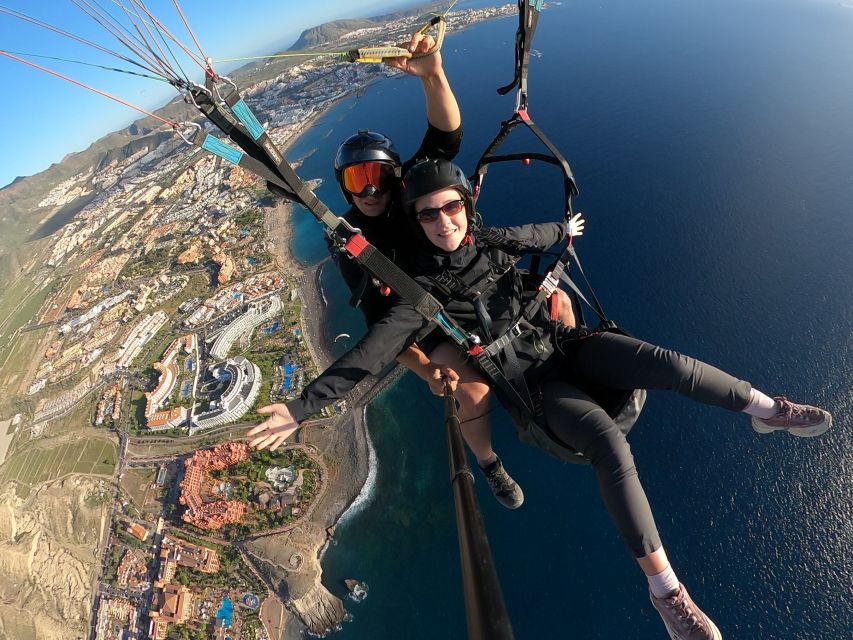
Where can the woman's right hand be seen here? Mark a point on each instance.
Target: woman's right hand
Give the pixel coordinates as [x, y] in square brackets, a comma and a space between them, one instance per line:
[439, 376]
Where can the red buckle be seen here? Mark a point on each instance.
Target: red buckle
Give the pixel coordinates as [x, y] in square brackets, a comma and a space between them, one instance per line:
[385, 290]
[356, 244]
[554, 306]
[475, 350]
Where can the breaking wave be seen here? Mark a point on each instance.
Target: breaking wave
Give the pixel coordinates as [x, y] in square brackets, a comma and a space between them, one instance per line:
[369, 489]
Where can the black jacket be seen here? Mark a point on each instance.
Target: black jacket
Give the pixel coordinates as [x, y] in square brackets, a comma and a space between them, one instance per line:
[400, 326]
[387, 232]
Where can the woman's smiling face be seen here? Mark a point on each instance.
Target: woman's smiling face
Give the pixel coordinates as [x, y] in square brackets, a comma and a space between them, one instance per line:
[443, 218]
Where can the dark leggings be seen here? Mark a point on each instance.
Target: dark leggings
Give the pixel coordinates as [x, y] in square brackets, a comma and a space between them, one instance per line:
[575, 418]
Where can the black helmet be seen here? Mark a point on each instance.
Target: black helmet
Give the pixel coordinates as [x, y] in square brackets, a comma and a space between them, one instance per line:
[364, 146]
[428, 176]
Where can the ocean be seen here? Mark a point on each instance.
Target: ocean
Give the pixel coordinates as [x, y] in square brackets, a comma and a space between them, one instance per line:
[713, 147]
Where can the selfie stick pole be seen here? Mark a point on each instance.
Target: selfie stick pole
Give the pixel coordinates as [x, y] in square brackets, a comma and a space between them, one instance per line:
[484, 602]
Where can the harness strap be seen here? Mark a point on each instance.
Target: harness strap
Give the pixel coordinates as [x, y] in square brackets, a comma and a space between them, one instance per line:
[496, 375]
[528, 18]
[498, 345]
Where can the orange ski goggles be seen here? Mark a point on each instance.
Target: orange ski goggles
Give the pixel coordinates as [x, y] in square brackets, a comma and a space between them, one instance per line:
[358, 177]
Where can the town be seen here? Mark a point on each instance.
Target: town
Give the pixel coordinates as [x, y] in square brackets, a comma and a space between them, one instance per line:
[165, 311]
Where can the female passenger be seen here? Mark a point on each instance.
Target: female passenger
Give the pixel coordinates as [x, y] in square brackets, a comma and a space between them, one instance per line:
[569, 371]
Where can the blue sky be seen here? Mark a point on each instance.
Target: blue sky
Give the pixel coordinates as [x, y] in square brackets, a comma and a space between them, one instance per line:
[44, 118]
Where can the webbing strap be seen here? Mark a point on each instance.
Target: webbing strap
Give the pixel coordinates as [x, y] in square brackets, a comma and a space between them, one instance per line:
[515, 331]
[514, 373]
[556, 158]
[230, 127]
[528, 17]
[377, 264]
[494, 373]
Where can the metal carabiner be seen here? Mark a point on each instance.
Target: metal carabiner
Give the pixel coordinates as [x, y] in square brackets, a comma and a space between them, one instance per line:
[226, 80]
[189, 125]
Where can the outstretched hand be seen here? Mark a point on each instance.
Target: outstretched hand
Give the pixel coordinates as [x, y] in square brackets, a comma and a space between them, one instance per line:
[275, 429]
[574, 226]
[419, 67]
[439, 377]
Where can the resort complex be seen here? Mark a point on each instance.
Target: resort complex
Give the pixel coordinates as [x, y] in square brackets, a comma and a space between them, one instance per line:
[202, 509]
[241, 381]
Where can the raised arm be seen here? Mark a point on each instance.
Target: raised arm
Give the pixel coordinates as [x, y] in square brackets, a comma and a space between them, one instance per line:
[442, 109]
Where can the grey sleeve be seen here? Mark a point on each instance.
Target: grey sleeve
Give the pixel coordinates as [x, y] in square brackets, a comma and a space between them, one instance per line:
[527, 238]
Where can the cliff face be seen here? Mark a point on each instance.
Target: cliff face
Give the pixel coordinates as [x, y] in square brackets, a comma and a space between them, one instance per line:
[319, 610]
[48, 549]
[290, 560]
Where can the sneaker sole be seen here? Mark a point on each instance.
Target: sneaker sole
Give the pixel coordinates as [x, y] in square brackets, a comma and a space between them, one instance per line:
[799, 432]
[714, 630]
[508, 504]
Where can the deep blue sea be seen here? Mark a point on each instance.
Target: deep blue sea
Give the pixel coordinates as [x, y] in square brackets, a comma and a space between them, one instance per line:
[713, 145]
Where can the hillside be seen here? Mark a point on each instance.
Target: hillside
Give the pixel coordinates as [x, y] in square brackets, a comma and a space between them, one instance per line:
[23, 221]
[332, 31]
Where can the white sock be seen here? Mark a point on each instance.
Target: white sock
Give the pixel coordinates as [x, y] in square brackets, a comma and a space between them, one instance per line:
[663, 584]
[761, 405]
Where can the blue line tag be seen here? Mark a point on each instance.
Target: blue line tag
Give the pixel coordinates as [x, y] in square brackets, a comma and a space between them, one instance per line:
[245, 115]
[454, 333]
[538, 5]
[221, 149]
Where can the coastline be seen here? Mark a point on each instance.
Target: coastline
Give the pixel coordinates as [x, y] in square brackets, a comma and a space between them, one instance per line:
[344, 444]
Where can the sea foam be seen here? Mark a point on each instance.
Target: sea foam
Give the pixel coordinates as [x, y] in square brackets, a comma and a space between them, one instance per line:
[369, 488]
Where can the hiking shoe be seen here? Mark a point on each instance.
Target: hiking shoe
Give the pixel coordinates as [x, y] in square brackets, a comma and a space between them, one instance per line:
[506, 490]
[683, 619]
[801, 420]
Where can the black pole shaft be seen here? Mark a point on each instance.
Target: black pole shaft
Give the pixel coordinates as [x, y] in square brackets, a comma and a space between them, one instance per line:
[484, 603]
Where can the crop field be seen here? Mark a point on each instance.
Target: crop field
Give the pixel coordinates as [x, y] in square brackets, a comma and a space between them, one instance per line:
[34, 465]
[26, 310]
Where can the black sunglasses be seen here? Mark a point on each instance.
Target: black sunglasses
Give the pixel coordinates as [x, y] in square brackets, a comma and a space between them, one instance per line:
[449, 209]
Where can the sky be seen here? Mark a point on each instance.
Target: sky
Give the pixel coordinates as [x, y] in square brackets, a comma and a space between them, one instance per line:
[45, 118]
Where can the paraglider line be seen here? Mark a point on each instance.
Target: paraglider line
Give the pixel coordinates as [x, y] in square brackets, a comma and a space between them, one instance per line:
[189, 29]
[50, 27]
[87, 87]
